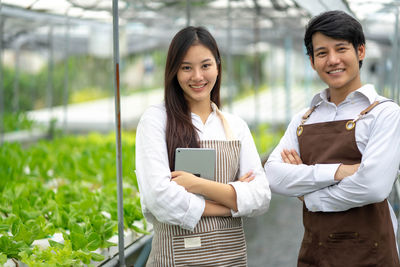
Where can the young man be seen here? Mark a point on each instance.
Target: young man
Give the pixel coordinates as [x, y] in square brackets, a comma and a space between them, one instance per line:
[342, 156]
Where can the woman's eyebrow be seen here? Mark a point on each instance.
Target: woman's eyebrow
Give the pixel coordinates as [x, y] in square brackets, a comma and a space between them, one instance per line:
[189, 63]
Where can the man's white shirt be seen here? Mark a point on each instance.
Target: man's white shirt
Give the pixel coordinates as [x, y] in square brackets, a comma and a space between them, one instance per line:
[378, 139]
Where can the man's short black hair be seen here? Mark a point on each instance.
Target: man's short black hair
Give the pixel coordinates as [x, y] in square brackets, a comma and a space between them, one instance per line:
[337, 25]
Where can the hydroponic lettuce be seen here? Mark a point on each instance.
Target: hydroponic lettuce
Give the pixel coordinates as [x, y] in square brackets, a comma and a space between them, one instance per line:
[65, 187]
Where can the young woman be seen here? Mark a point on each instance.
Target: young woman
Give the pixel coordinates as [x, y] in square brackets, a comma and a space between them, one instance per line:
[197, 221]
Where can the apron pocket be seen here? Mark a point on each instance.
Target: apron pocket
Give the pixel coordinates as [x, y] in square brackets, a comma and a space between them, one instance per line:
[225, 247]
[350, 248]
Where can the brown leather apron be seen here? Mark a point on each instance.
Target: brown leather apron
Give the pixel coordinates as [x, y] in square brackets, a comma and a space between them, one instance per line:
[361, 236]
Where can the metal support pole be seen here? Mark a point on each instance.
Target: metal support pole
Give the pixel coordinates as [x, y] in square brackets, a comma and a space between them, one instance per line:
[288, 85]
[66, 74]
[272, 85]
[50, 70]
[229, 56]
[188, 15]
[381, 76]
[395, 64]
[121, 246]
[1, 79]
[15, 100]
[256, 72]
[307, 76]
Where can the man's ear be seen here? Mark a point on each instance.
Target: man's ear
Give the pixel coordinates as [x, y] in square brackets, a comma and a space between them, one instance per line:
[361, 52]
[311, 62]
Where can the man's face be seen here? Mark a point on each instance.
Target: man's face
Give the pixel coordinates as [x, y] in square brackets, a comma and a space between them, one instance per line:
[336, 62]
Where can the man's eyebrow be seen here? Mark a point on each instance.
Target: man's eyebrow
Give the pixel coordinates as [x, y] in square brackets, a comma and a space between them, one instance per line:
[342, 43]
[319, 48]
[336, 45]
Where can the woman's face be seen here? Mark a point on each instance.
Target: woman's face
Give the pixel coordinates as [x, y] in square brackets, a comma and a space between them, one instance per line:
[197, 74]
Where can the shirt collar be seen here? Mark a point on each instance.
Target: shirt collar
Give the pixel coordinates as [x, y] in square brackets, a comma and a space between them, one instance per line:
[368, 91]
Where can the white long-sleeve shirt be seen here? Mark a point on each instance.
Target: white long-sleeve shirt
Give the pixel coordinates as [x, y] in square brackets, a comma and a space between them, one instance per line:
[378, 139]
[169, 202]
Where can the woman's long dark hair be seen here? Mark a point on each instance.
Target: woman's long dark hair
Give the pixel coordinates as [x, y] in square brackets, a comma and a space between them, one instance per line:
[180, 131]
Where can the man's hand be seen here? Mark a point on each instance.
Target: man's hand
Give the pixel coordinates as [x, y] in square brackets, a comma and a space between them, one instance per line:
[290, 156]
[345, 170]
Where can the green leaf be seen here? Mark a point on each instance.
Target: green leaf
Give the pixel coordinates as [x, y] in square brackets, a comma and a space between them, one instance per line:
[4, 227]
[85, 257]
[24, 233]
[3, 258]
[97, 257]
[138, 230]
[107, 244]
[94, 241]
[78, 240]
[10, 247]
[56, 244]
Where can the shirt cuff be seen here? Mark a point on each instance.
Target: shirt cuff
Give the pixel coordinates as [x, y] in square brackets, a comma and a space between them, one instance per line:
[240, 189]
[325, 174]
[194, 212]
[312, 201]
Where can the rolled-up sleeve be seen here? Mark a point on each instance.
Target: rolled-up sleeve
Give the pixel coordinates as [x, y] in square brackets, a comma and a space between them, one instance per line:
[167, 201]
[253, 198]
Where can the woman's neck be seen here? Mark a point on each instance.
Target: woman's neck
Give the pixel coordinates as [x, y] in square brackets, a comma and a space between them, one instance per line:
[202, 109]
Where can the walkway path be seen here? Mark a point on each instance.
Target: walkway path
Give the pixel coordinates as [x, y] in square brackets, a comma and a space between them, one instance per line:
[274, 238]
[99, 115]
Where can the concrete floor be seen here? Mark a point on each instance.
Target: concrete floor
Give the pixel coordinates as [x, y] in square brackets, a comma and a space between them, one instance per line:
[273, 239]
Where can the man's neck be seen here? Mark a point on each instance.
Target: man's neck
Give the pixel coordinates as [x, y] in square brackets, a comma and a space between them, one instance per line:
[337, 95]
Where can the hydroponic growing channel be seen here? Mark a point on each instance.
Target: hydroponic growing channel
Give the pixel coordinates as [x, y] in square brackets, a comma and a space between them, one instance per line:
[58, 203]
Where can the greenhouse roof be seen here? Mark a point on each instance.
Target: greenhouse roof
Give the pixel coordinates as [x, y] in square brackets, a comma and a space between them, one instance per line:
[149, 24]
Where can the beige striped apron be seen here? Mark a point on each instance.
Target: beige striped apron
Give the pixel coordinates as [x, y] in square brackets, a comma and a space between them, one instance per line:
[215, 241]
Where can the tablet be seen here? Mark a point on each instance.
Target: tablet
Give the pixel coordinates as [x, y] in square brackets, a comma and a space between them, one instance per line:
[198, 161]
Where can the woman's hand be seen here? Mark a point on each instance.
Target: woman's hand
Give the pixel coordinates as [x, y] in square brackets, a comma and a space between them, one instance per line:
[185, 179]
[290, 156]
[248, 177]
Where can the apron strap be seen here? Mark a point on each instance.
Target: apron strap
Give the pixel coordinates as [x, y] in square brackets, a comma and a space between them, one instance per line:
[368, 109]
[228, 132]
[349, 125]
[308, 113]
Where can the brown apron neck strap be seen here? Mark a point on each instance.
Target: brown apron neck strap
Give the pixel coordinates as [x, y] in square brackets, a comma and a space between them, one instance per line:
[352, 123]
[368, 109]
[308, 113]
